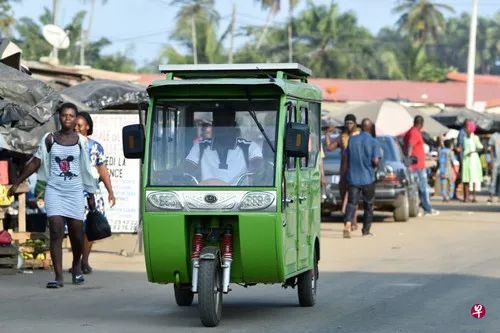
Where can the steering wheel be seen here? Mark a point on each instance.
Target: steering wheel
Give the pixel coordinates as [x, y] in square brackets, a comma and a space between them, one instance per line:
[213, 182]
[190, 176]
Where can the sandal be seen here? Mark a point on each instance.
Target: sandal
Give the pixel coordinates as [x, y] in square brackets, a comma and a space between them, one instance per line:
[78, 279]
[55, 284]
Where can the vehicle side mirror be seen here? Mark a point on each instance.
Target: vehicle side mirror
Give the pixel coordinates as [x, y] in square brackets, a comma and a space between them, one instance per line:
[133, 141]
[297, 140]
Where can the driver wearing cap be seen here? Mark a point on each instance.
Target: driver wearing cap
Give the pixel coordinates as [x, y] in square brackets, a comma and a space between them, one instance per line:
[225, 158]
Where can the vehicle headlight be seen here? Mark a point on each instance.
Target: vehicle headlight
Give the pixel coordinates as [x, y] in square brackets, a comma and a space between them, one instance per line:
[256, 200]
[165, 200]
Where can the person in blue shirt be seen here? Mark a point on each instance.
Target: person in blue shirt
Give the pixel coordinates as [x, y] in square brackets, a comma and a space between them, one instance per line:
[363, 156]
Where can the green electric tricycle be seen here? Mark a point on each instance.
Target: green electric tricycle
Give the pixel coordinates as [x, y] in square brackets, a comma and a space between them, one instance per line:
[231, 180]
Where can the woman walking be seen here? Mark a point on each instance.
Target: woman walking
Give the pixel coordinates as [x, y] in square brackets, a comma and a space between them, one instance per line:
[472, 171]
[85, 127]
[63, 162]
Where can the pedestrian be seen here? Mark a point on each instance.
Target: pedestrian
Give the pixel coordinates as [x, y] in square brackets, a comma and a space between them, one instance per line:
[363, 156]
[414, 149]
[446, 170]
[342, 142]
[472, 171]
[63, 162]
[494, 148]
[85, 127]
[459, 155]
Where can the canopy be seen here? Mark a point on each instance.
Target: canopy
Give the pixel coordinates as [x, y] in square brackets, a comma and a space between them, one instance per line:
[456, 118]
[431, 126]
[27, 108]
[107, 94]
[390, 118]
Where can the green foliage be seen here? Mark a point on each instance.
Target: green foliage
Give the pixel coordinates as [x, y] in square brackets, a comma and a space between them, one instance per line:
[421, 20]
[34, 45]
[118, 62]
[6, 18]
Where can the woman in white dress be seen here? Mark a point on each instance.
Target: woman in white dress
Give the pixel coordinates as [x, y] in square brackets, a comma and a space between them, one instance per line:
[62, 160]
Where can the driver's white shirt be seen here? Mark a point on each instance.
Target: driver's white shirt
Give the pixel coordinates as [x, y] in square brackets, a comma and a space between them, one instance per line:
[236, 165]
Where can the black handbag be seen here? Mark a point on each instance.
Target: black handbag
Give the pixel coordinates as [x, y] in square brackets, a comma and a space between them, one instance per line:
[97, 226]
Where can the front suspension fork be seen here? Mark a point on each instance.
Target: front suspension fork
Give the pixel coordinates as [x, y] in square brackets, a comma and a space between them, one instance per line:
[227, 259]
[195, 258]
[226, 256]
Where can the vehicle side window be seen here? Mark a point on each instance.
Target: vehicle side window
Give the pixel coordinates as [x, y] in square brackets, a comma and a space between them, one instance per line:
[315, 133]
[304, 119]
[290, 118]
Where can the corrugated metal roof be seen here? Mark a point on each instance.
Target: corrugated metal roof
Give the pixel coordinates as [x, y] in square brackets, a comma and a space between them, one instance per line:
[449, 93]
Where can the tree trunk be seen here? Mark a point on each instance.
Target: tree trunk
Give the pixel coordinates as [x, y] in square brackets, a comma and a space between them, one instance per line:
[231, 40]
[290, 32]
[193, 37]
[55, 13]
[269, 19]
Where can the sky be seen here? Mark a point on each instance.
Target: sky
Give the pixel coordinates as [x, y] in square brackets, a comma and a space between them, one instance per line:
[140, 27]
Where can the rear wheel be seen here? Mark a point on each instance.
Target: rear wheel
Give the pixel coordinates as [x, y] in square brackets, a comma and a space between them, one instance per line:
[210, 292]
[307, 285]
[183, 295]
[402, 212]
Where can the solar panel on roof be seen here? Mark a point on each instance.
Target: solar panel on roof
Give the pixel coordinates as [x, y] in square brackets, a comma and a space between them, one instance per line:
[235, 70]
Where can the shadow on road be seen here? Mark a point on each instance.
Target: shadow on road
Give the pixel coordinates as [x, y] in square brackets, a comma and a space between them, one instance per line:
[351, 301]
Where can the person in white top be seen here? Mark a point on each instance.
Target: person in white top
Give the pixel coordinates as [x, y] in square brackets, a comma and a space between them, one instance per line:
[226, 159]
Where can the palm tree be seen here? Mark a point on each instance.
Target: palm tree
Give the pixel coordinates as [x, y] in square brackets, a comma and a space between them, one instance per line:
[422, 20]
[6, 18]
[273, 6]
[193, 10]
[85, 34]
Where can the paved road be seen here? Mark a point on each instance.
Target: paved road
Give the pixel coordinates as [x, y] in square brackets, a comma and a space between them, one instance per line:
[420, 276]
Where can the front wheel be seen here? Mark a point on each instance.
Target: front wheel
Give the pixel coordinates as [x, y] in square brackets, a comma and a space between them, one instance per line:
[307, 285]
[183, 295]
[402, 212]
[210, 292]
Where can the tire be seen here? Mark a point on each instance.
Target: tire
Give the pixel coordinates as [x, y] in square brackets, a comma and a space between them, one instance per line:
[414, 206]
[183, 295]
[402, 212]
[307, 285]
[210, 292]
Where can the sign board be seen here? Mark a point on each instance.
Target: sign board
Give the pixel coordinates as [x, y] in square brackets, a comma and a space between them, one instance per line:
[125, 173]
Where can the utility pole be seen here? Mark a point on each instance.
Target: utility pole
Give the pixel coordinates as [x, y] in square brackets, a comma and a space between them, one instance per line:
[233, 28]
[85, 34]
[290, 32]
[471, 61]
[55, 12]
[193, 38]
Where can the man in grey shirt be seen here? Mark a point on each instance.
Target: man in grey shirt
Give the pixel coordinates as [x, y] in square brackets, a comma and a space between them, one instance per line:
[494, 149]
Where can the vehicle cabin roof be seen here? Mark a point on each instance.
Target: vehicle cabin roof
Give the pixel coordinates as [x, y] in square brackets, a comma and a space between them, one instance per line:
[289, 78]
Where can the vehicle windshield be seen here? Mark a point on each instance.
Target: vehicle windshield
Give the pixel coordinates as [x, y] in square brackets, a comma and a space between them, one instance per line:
[213, 143]
[389, 152]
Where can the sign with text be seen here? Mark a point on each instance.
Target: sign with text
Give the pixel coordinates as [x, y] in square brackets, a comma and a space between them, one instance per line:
[124, 173]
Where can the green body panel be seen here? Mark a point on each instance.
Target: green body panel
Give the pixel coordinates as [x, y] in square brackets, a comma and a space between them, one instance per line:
[268, 247]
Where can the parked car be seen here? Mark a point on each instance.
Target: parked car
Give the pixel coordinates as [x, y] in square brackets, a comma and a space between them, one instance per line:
[395, 189]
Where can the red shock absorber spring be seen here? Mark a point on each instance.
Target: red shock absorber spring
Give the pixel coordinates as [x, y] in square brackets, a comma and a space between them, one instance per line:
[227, 245]
[197, 245]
